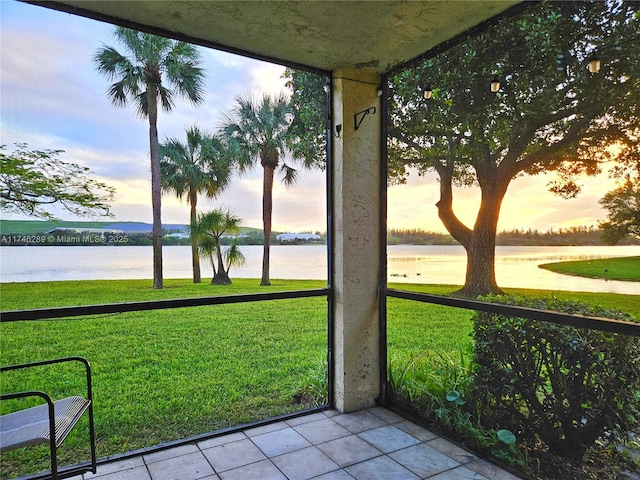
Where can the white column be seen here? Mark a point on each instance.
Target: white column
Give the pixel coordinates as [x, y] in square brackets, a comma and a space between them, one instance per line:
[356, 157]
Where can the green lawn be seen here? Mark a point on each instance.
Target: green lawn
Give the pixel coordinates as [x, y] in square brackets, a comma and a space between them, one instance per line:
[29, 227]
[622, 268]
[170, 374]
[414, 327]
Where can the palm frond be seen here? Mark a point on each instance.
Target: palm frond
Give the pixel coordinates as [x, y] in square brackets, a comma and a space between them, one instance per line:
[150, 57]
[234, 256]
[200, 165]
[290, 174]
[256, 130]
[110, 62]
[140, 102]
[131, 39]
[166, 98]
[183, 72]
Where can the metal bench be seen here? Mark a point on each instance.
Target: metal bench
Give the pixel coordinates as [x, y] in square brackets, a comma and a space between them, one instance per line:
[48, 423]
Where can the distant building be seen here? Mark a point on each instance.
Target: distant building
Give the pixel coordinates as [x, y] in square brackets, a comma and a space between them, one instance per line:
[291, 237]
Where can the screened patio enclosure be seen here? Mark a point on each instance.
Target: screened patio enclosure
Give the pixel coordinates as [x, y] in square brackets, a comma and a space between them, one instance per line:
[355, 44]
[357, 47]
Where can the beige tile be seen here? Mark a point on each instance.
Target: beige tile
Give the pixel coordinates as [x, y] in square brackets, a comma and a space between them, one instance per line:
[331, 413]
[280, 442]
[349, 450]
[233, 455]
[336, 475]
[321, 431]
[460, 473]
[380, 468]
[456, 452]
[170, 453]
[416, 431]
[490, 470]
[215, 441]
[116, 466]
[423, 460]
[242, 455]
[306, 419]
[388, 439]
[304, 464]
[357, 422]
[264, 470]
[136, 473]
[386, 415]
[192, 466]
[272, 427]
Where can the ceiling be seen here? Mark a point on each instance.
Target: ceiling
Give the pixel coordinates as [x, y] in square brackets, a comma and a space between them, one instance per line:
[322, 35]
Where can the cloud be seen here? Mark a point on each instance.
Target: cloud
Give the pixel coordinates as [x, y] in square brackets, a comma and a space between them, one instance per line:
[527, 204]
[51, 96]
[301, 206]
[267, 78]
[413, 205]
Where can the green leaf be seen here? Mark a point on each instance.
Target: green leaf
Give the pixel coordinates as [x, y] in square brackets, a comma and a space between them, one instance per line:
[453, 395]
[506, 436]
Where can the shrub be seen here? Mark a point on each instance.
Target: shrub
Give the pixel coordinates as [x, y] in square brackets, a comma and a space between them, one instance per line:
[557, 384]
[434, 386]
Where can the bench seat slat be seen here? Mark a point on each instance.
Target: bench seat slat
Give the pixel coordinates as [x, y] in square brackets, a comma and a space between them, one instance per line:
[31, 426]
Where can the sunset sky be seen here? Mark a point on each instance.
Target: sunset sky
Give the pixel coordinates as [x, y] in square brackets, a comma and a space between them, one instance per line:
[51, 96]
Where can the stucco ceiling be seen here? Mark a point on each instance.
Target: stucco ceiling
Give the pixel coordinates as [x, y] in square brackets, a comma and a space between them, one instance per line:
[324, 35]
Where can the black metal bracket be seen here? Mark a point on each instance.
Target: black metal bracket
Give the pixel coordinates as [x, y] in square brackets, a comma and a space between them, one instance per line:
[357, 122]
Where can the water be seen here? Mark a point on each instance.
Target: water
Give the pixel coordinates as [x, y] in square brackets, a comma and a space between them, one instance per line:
[515, 266]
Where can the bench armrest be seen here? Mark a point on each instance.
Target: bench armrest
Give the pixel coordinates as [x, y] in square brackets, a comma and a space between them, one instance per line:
[82, 360]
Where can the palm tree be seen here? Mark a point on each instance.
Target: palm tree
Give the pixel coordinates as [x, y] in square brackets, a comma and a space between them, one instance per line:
[257, 130]
[197, 166]
[209, 229]
[139, 80]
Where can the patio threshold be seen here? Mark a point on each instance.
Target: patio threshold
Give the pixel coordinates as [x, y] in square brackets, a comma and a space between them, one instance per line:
[370, 444]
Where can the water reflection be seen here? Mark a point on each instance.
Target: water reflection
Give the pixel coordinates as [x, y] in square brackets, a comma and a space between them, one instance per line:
[516, 267]
[440, 264]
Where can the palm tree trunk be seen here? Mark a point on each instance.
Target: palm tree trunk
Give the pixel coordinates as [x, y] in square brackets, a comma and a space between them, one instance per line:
[195, 256]
[222, 276]
[267, 210]
[156, 192]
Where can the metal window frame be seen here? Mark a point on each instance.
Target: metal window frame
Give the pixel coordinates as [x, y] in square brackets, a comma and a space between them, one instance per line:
[328, 292]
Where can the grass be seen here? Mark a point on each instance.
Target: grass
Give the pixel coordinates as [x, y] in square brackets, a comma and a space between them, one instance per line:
[169, 374]
[29, 227]
[16, 296]
[622, 268]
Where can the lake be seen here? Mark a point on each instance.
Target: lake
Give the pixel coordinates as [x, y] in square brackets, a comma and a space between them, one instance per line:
[445, 264]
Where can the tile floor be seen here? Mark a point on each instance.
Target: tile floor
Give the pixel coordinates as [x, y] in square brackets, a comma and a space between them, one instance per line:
[366, 445]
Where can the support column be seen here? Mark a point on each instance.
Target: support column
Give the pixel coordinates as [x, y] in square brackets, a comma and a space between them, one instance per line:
[356, 180]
